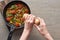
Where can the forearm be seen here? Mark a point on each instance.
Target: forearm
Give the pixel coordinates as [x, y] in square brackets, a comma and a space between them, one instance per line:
[25, 34]
[45, 33]
[48, 36]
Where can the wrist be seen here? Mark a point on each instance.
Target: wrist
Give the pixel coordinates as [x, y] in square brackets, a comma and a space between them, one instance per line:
[25, 34]
[48, 36]
[27, 30]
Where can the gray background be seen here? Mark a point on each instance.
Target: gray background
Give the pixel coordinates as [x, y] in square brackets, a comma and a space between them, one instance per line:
[47, 9]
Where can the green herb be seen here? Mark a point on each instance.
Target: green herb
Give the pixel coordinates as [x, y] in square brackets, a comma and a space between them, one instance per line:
[9, 14]
[13, 7]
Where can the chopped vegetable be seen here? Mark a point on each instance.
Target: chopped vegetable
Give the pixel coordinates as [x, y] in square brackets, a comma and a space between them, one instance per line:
[26, 11]
[16, 24]
[9, 14]
[13, 7]
[8, 18]
[11, 21]
[19, 6]
[15, 13]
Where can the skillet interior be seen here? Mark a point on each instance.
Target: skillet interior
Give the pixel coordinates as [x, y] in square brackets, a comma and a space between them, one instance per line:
[8, 5]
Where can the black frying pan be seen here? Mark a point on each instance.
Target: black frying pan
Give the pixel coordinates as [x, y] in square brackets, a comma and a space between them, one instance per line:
[12, 27]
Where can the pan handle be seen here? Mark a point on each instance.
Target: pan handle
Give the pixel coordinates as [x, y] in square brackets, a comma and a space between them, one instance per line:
[10, 35]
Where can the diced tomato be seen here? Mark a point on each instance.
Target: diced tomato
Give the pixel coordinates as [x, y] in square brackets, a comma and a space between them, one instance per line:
[13, 11]
[8, 18]
[19, 6]
[22, 19]
[16, 24]
[26, 11]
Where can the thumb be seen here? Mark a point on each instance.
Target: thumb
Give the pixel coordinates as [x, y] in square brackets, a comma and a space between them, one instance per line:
[38, 28]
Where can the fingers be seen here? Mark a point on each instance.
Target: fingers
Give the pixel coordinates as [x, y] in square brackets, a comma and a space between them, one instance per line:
[29, 18]
[25, 16]
[38, 28]
[32, 17]
[42, 23]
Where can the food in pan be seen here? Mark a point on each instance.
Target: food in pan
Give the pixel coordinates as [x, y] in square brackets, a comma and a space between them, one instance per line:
[15, 13]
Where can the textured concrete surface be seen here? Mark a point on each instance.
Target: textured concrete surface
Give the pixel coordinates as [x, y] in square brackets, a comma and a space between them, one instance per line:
[47, 9]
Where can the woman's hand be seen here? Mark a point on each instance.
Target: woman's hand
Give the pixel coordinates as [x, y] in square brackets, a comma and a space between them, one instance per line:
[43, 30]
[42, 27]
[29, 21]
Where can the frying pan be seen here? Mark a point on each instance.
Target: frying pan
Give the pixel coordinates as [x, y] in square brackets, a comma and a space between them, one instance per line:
[12, 27]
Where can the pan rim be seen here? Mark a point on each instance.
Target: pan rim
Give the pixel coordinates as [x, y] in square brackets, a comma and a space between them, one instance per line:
[5, 8]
